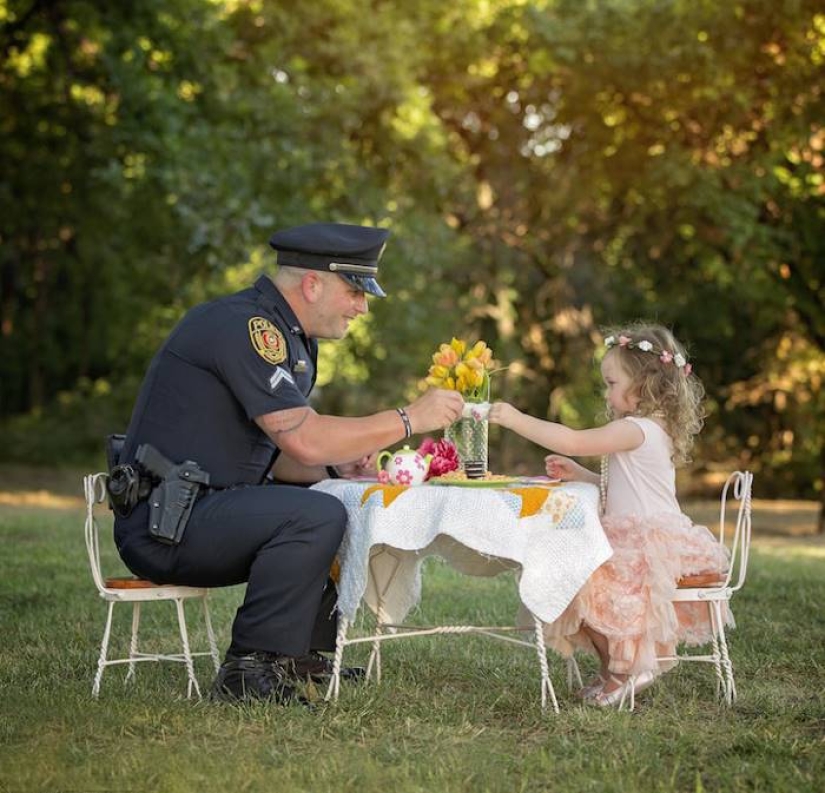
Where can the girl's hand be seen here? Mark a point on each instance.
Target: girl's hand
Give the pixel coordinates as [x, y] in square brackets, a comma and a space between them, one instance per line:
[503, 413]
[563, 468]
[363, 467]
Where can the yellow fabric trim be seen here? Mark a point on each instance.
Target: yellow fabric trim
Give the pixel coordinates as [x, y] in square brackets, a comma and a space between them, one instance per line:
[391, 492]
[532, 499]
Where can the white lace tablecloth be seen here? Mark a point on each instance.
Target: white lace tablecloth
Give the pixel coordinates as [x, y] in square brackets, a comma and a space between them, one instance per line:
[551, 535]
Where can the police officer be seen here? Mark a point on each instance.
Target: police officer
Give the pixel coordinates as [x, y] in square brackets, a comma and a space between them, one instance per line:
[228, 390]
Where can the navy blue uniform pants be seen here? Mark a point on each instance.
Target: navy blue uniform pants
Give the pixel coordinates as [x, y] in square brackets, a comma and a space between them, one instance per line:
[280, 539]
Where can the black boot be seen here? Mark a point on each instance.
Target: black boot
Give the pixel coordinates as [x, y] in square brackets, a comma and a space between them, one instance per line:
[254, 676]
[318, 668]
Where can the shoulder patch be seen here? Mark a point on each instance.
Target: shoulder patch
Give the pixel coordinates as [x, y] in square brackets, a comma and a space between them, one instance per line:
[267, 340]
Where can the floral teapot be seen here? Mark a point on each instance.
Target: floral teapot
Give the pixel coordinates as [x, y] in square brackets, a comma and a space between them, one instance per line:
[404, 467]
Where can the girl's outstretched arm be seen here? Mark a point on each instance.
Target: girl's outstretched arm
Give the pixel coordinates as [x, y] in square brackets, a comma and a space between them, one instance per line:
[618, 436]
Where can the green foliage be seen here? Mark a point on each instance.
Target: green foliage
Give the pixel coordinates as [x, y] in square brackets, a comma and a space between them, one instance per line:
[546, 168]
[72, 430]
[641, 159]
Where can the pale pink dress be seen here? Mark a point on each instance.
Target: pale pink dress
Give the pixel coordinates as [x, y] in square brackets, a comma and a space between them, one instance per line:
[628, 599]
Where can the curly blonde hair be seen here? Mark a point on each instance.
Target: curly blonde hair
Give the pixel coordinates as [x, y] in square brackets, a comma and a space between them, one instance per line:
[656, 364]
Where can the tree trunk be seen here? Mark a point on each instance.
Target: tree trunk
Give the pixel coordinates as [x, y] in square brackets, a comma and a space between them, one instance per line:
[37, 391]
[821, 525]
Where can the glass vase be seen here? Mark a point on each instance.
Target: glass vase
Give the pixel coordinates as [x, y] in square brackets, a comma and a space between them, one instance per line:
[469, 436]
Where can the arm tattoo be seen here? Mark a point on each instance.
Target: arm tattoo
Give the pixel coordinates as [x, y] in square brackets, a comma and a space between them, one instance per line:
[293, 427]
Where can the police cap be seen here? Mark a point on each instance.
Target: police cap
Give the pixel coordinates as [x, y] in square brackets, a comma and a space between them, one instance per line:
[350, 251]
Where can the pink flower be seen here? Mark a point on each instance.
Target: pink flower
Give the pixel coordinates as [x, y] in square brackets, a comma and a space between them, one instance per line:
[403, 477]
[427, 447]
[445, 456]
[383, 478]
[624, 341]
[666, 356]
[688, 369]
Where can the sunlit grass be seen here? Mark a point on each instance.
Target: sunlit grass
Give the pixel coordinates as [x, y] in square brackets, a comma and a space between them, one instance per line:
[452, 713]
[799, 550]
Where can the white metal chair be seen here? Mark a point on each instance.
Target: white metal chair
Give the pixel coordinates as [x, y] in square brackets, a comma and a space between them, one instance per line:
[715, 590]
[137, 591]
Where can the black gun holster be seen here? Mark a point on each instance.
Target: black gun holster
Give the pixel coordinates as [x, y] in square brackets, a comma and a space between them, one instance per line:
[172, 499]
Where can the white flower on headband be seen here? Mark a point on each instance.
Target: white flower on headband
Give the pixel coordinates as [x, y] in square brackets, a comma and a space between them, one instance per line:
[609, 341]
[644, 345]
[678, 359]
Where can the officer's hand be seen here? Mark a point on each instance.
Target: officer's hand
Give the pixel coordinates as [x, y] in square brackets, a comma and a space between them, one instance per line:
[434, 410]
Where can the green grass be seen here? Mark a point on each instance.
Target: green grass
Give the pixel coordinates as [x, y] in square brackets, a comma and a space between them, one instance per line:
[452, 713]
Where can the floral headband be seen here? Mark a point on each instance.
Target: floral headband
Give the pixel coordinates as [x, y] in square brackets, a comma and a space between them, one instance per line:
[665, 356]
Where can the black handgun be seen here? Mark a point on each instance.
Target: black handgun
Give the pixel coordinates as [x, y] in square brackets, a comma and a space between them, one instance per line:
[171, 502]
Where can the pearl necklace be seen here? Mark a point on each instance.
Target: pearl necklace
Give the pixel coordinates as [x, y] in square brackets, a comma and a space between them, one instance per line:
[603, 484]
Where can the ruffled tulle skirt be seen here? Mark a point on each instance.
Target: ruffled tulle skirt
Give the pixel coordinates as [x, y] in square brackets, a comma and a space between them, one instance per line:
[628, 600]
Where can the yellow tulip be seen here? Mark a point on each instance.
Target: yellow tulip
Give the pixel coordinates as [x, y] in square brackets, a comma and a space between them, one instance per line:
[446, 356]
[457, 368]
[478, 349]
[462, 370]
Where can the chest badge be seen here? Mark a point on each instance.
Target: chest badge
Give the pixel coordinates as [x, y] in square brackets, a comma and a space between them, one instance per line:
[267, 340]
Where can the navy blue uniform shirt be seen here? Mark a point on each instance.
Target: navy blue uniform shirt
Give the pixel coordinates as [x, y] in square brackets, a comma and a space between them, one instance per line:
[225, 363]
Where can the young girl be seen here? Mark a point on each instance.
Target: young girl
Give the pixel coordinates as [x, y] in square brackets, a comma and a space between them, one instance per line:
[624, 612]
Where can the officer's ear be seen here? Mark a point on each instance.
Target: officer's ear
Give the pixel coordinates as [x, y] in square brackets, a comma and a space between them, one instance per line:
[312, 286]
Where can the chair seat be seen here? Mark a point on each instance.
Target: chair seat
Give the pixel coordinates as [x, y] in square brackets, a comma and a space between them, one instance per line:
[129, 583]
[698, 580]
[133, 589]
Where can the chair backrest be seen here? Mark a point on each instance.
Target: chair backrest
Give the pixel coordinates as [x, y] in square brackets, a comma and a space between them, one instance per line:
[94, 486]
[736, 495]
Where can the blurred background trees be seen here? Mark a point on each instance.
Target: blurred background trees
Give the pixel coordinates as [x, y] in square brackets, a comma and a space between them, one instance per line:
[547, 168]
